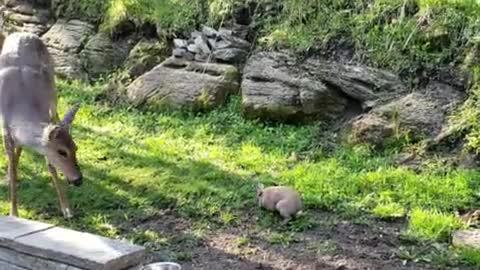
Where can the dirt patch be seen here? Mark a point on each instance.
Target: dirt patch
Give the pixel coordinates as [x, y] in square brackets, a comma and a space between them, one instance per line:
[334, 243]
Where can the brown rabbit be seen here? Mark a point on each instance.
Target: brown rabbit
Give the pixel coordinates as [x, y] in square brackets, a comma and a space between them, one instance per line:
[283, 199]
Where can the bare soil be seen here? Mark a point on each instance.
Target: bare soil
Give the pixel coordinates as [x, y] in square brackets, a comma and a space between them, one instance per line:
[334, 243]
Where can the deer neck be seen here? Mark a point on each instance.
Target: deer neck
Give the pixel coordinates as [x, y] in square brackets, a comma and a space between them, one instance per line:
[32, 135]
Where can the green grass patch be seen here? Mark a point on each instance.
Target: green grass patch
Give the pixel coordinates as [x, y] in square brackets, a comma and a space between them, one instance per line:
[205, 166]
[431, 225]
[171, 16]
[87, 10]
[406, 36]
[469, 256]
[389, 210]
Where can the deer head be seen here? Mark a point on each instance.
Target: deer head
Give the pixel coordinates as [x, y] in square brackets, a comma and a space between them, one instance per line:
[60, 148]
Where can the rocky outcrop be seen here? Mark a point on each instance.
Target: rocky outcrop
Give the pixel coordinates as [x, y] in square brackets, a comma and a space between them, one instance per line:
[368, 86]
[420, 114]
[65, 40]
[145, 55]
[178, 83]
[101, 54]
[26, 16]
[276, 86]
[273, 90]
[221, 46]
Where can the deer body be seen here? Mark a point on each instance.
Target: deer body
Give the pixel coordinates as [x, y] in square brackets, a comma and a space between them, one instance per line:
[28, 108]
[283, 199]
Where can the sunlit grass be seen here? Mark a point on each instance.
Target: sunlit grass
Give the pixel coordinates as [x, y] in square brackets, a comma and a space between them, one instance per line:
[205, 167]
[431, 225]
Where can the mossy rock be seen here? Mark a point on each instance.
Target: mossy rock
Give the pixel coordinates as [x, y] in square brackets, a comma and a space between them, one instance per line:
[185, 85]
[146, 54]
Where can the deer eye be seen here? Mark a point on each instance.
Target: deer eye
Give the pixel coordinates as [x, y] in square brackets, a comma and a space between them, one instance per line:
[62, 153]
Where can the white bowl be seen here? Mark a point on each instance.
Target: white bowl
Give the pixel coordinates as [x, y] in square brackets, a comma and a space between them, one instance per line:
[162, 266]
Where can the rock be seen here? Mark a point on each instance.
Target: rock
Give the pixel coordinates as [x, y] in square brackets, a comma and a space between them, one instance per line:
[212, 43]
[240, 31]
[229, 41]
[68, 35]
[209, 32]
[26, 16]
[189, 56]
[180, 43]
[230, 55]
[101, 54]
[201, 57]
[225, 31]
[145, 55]
[202, 45]
[183, 84]
[361, 83]
[421, 114]
[271, 89]
[193, 48]
[466, 238]
[369, 128]
[195, 34]
[278, 86]
[179, 52]
[467, 161]
[65, 39]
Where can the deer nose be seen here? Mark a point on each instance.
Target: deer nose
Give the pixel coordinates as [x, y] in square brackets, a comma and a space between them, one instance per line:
[77, 182]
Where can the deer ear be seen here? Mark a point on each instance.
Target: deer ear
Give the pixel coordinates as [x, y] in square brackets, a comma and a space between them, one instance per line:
[70, 115]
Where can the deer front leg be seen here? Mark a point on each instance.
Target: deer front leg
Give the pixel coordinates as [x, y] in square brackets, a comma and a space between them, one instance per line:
[13, 158]
[61, 192]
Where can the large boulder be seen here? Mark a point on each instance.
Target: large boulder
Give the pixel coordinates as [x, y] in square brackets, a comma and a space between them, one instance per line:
[65, 40]
[26, 16]
[421, 114]
[102, 54]
[276, 86]
[145, 55]
[371, 129]
[272, 90]
[369, 86]
[178, 83]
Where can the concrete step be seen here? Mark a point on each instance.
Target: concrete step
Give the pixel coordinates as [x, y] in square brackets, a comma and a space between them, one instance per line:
[32, 245]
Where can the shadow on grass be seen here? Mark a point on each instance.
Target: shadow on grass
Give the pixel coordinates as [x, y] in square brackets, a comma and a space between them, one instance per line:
[198, 190]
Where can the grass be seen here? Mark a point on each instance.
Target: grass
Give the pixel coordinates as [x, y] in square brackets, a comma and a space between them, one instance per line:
[87, 10]
[429, 225]
[205, 167]
[409, 37]
[389, 210]
[469, 256]
[414, 38]
[171, 16]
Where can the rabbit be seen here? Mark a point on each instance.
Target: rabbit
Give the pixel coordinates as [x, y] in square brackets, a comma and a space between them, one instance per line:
[283, 199]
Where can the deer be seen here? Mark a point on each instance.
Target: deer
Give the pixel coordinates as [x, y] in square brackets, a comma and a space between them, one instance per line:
[29, 117]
